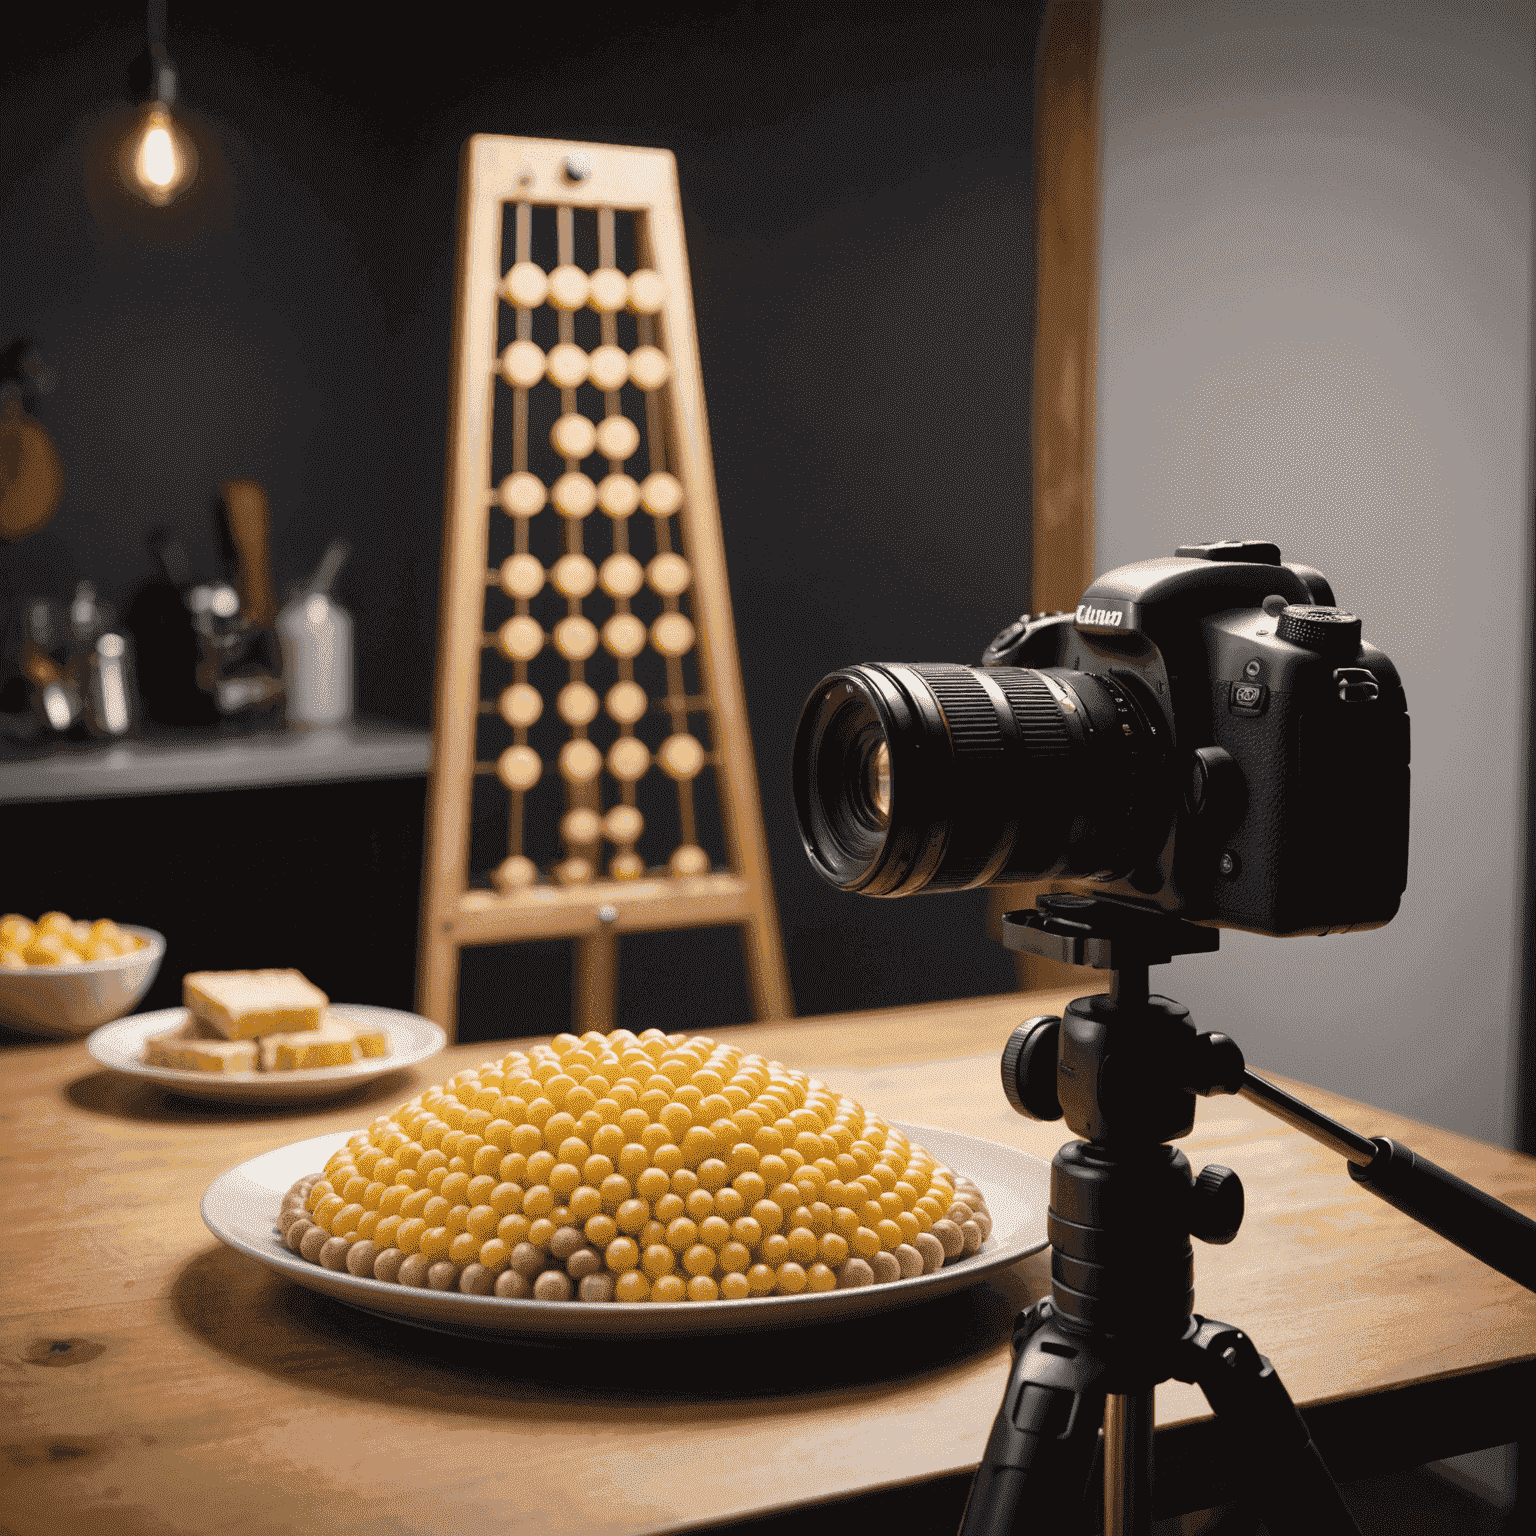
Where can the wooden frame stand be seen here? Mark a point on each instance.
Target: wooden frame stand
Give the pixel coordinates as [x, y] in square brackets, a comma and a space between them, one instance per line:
[588, 687]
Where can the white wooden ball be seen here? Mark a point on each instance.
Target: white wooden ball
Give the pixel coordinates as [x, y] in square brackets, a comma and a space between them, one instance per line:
[608, 290]
[609, 367]
[626, 865]
[569, 287]
[521, 638]
[523, 364]
[672, 634]
[574, 575]
[647, 292]
[623, 824]
[618, 495]
[522, 576]
[526, 285]
[514, 874]
[624, 635]
[522, 495]
[583, 825]
[626, 702]
[669, 575]
[689, 860]
[580, 761]
[576, 637]
[617, 437]
[628, 759]
[681, 756]
[573, 437]
[661, 494]
[519, 768]
[621, 575]
[520, 705]
[577, 704]
[567, 365]
[573, 494]
[648, 368]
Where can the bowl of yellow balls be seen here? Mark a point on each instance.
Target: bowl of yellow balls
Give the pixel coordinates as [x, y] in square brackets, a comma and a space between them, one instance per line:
[65, 976]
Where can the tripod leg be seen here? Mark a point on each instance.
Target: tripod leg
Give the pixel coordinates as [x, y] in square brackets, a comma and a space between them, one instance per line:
[1297, 1493]
[1045, 1436]
[1128, 1463]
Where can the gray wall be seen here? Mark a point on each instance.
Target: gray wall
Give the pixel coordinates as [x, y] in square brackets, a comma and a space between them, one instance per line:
[1315, 326]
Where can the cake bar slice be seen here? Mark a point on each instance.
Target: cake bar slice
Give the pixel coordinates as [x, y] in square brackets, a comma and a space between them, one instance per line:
[244, 1004]
[330, 1045]
[189, 1054]
[373, 1038]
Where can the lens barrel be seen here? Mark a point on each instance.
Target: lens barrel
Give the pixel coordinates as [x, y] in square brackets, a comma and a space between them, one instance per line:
[934, 776]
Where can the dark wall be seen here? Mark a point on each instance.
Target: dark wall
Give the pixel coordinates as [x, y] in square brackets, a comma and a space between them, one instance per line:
[856, 184]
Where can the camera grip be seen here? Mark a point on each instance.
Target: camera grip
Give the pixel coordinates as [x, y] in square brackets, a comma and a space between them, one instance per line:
[1486, 1228]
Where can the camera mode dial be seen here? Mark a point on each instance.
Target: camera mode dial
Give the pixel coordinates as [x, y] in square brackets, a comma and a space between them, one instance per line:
[1329, 631]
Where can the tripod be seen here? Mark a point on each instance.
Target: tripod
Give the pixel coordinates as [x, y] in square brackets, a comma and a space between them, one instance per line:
[1124, 1070]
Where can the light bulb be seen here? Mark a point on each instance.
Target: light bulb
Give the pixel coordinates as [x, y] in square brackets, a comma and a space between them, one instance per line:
[159, 161]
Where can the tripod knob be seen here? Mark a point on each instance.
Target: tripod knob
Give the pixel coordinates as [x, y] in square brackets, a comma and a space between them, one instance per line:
[1029, 1067]
[1216, 1205]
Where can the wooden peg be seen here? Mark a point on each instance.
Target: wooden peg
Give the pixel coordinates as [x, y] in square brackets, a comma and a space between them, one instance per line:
[247, 524]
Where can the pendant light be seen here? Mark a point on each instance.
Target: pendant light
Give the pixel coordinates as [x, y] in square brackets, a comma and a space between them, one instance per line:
[158, 162]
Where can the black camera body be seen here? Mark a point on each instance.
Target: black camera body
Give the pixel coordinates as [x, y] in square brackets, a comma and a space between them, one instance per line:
[1207, 736]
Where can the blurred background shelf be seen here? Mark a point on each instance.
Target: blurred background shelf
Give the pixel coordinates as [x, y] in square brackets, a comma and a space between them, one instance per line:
[175, 763]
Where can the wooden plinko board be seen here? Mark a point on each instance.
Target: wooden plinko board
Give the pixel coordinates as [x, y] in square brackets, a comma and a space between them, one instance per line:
[589, 717]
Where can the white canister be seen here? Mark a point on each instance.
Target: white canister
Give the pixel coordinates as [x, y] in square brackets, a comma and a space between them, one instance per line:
[315, 635]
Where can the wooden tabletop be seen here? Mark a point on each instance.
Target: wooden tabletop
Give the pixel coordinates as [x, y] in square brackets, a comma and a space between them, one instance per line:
[156, 1381]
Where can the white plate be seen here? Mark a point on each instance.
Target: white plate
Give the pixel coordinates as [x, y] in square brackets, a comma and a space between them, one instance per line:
[121, 1047]
[241, 1206]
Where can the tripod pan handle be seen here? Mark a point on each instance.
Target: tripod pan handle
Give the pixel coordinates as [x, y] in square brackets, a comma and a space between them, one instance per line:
[1486, 1228]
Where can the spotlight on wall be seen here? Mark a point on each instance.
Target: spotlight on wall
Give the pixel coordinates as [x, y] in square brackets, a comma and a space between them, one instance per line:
[158, 161]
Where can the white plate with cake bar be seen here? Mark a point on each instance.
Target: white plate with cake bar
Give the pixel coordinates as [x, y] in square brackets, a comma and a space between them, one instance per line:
[263, 1037]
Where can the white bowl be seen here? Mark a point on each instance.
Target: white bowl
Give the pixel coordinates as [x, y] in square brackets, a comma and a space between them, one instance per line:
[75, 999]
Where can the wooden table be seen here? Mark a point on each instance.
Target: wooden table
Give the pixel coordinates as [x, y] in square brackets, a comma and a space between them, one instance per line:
[156, 1381]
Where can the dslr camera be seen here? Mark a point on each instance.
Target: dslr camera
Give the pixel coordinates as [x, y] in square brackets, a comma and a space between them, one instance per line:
[1207, 736]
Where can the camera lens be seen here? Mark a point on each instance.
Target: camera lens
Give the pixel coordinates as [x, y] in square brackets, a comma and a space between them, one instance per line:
[931, 776]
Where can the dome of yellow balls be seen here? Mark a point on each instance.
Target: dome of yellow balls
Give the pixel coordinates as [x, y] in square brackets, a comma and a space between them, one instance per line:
[633, 1168]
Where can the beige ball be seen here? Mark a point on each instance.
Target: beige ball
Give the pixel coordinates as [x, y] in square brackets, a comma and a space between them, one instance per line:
[628, 759]
[580, 761]
[519, 768]
[569, 287]
[522, 576]
[573, 871]
[623, 824]
[681, 756]
[617, 437]
[520, 705]
[626, 865]
[526, 286]
[522, 364]
[576, 637]
[574, 575]
[609, 367]
[624, 636]
[688, 860]
[573, 437]
[521, 638]
[672, 634]
[522, 495]
[618, 495]
[626, 702]
[648, 368]
[608, 291]
[661, 494]
[577, 704]
[647, 292]
[669, 575]
[567, 365]
[621, 575]
[581, 826]
[573, 494]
